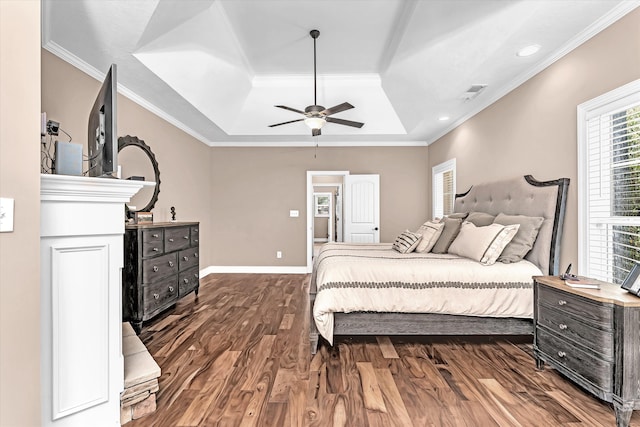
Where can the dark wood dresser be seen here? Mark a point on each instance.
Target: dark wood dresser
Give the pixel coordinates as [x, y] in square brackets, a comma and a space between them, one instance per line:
[161, 265]
[592, 336]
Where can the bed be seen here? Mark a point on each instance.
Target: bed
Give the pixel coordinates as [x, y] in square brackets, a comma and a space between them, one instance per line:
[462, 296]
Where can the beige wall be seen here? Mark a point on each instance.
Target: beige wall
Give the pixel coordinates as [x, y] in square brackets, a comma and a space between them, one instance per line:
[67, 97]
[20, 180]
[532, 130]
[253, 190]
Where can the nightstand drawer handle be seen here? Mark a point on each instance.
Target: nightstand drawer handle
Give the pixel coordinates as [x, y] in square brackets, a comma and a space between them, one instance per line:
[156, 296]
[171, 240]
[155, 268]
[196, 255]
[186, 281]
[186, 237]
[561, 354]
[562, 302]
[185, 258]
[155, 249]
[562, 326]
[170, 288]
[155, 235]
[170, 263]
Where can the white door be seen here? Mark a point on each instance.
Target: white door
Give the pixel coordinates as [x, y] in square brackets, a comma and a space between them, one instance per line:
[362, 208]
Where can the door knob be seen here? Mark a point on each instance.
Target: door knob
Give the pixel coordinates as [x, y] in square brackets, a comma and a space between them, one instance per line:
[376, 229]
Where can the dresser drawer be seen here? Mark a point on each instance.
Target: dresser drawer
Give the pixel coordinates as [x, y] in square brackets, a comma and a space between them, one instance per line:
[589, 311]
[152, 242]
[567, 327]
[595, 370]
[159, 295]
[195, 235]
[156, 268]
[176, 238]
[188, 280]
[188, 258]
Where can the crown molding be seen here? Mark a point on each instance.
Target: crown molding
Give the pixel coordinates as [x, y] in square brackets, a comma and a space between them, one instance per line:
[319, 143]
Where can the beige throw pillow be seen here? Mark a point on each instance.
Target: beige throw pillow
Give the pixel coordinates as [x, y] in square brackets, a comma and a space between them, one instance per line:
[449, 232]
[431, 231]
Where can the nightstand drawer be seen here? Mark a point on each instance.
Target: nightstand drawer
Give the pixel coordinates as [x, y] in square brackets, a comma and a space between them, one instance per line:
[155, 268]
[589, 311]
[176, 238]
[159, 295]
[596, 339]
[593, 369]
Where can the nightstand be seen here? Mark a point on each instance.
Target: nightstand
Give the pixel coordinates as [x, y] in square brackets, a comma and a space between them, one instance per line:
[592, 336]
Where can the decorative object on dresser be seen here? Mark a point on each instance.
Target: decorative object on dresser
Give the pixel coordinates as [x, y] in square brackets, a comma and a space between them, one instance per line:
[161, 265]
[592, 336]
[132, 161]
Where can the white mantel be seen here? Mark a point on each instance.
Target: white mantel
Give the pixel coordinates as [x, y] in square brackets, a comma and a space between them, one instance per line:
[81, 255]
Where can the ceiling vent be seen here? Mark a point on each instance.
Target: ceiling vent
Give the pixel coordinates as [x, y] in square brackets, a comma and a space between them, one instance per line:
[473, 91]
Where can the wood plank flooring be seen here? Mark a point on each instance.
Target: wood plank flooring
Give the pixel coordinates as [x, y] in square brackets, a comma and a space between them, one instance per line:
[239, 356]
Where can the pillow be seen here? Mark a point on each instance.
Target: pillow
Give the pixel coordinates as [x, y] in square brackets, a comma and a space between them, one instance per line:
[449, 232]
[523, 241]
[482, 243]
[458, 215]
[406, 242]
[430, 231]
[480, 219]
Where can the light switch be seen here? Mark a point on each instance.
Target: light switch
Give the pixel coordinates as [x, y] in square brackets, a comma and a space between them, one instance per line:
[6, 215]
[294, 214]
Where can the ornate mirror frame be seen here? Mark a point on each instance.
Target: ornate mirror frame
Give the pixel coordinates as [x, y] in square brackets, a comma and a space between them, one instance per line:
[133, 141]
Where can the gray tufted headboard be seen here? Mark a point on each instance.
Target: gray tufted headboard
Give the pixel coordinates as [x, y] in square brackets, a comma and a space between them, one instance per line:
[525, 196]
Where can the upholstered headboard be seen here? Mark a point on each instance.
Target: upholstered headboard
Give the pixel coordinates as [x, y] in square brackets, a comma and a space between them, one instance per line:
[525, 196]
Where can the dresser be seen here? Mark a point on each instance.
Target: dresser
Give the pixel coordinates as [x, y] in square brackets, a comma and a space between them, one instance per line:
[592, 336]
[161, 265]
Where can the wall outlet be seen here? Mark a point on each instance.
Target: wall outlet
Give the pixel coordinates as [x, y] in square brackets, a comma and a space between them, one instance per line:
[279, 254]
[6, 215]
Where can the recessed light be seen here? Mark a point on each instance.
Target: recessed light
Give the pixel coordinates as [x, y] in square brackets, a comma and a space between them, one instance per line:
[443, 118]
[528, 50]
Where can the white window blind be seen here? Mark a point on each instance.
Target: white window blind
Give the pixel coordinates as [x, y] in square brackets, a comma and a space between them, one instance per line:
[610, 189]
[444, 188]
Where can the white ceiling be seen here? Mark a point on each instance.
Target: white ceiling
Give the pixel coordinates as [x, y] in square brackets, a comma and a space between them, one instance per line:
[216, 68]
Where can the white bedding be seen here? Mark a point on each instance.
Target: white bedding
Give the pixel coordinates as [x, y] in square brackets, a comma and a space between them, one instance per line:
[373, 277]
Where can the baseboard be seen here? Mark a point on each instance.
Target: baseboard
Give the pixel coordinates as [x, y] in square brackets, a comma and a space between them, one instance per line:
[254, 269]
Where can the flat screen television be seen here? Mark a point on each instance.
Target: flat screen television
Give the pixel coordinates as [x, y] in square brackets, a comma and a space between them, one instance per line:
[102, 149]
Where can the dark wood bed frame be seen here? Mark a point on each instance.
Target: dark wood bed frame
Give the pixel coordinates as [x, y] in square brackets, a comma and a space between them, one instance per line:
[372, 323]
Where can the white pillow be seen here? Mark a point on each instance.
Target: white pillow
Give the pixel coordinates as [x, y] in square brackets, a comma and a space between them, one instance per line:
[430, 231]
[406, 242]
[482, 243]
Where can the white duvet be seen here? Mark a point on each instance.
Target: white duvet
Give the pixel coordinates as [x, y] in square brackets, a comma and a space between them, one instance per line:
[374, 277]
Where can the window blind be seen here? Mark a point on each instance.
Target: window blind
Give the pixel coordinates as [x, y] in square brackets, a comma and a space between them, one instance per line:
[613, 192]
[444, 184]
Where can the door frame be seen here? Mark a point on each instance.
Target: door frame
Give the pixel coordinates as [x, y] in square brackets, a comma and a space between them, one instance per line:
[310, 216]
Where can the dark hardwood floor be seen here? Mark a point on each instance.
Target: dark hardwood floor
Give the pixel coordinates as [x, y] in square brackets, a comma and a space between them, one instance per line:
[239, 356]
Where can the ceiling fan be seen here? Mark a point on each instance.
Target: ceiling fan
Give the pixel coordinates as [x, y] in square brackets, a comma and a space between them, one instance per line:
[315, 116]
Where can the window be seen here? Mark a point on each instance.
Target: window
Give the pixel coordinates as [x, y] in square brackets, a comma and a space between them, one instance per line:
[444, 188]
[609, 184]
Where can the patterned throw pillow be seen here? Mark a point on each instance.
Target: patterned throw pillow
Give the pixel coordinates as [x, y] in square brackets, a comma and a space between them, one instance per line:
[430, 231]
[483, 244]
[499, 243]
[406, 242]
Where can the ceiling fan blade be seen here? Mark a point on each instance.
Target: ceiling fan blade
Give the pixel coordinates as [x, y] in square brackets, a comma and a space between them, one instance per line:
[344, 122]
[286, 123]
[342, 107]
[290, 109]
[315, 132]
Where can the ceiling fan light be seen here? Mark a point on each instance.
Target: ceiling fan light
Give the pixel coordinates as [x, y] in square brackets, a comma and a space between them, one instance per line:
[315, 122]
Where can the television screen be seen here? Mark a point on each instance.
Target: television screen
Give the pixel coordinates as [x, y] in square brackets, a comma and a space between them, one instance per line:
[102, 142]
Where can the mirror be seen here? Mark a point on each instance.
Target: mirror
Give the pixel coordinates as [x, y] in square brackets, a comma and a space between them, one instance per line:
[137, 160]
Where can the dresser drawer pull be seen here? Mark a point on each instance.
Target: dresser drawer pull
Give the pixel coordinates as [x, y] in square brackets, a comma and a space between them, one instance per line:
[562, 302]
[170, 288]
[155, 235]
[186, 258]
[195, 276]
[155, 268]
[186, 281]
[155, 249]
[196, 240]
[196, 255]
[186, 237]
[156, 296]
[562, 326]
[196, 230]
[561, 354]
[170, 263]
[170, 239]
